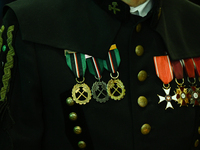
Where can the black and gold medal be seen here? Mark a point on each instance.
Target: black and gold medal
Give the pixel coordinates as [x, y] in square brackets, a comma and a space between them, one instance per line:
[81, 92]
[115, 87]
[99, 88]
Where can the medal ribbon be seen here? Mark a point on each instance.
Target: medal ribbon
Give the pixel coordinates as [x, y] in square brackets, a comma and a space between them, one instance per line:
[95, 66]
[178, 69]
[112, 62]
[77, 63]
[197, 65]
[189, 67]
[163, 68]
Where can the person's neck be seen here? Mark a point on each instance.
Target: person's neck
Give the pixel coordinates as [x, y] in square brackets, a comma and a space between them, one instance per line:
[134, 3]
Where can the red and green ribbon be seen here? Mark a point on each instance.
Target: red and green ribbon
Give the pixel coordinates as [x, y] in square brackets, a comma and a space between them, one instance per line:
[95, 66]
[77, 63]
[112, 62]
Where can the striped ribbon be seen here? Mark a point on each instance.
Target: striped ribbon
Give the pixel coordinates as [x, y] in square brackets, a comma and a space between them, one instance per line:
[189, 67]
[163, 68]
[95, 66]
[77, 63]
[197, 64]
[112, 62]
[177, 69]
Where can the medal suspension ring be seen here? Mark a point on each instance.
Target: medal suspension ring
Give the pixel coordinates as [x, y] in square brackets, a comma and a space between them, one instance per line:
[85, 93]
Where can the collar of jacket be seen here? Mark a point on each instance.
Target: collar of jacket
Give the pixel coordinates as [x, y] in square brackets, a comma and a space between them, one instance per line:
[88, 30]
[92, 31]
[181, 32]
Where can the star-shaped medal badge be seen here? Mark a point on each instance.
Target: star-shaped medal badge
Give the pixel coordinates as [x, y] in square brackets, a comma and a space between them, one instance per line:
[182, 96]
[194, 95]
[168, 98]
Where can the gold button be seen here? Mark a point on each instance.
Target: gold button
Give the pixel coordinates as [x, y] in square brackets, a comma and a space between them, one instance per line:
[73, 116]
[196, 143]
[70, 101]
[199, 130]
[145, 129]
[77, 130]
[138, 27]
[142, 101]
[142, 75]
[159, 13]
[81, 144]
[139, 50]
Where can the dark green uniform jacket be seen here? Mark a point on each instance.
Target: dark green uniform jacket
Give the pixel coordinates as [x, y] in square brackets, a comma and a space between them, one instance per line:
[33, 109]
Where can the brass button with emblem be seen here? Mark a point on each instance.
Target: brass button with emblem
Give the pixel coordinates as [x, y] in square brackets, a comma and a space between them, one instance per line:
[199, 129]
[77, 130]
[138, 27]
[142, 101]
[70, 101]
[81, 144]
[196, 144]
[73, 116]
[142, 75]
[145, 129]
[159, 13]
[139, 50]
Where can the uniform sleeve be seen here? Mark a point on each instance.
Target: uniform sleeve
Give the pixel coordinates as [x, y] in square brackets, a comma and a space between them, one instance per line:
[21, 115]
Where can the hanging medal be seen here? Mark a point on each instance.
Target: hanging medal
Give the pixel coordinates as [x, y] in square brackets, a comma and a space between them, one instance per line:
[194, 92]
[81, 93]
[115, 87]
[181, 91]
[164, 72]
[99, 88]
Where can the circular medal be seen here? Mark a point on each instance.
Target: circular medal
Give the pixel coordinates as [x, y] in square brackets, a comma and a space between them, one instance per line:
[81, 93]
[116, 89]
[99, 92]
[194, 95]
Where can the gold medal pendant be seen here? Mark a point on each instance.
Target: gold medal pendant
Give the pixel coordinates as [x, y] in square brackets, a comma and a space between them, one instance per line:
[115, 88]
[81, 93]
[182, 96]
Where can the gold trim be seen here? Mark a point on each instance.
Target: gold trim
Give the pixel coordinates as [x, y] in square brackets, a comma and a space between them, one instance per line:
[112, 47]
[8, 65]
[1, 39]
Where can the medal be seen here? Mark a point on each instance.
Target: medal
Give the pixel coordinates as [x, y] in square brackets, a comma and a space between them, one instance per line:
[99, 91]
[99, 88]
[164, 72]
[194, 91]
[81, 93]
[181, 91]
[115, 87]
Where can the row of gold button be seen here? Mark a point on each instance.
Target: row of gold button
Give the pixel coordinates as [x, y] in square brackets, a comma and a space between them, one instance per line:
[142, 76]
[73, 117]
[196, 143]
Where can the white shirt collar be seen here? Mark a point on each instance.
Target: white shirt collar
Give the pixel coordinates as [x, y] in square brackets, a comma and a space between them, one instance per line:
[143, 9]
